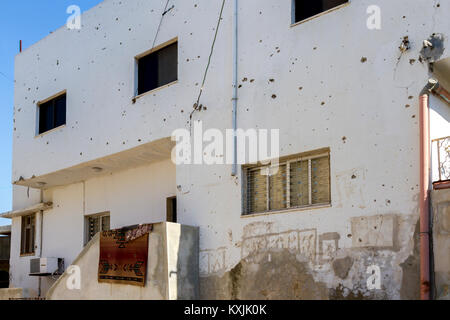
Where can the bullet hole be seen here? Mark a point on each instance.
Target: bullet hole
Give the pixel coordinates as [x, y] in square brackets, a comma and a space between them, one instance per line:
[315, 48]
[195, 6]
[413, 116]
[81, 153]
[182, 111]
[139, 140]
[252, 80]
[411, 97]
[187, 60]
[240, 86]
[129, 29]
[245, 79]
[271, 80]
[344, 139]
[349, 235]
[407, 106]
[388, 202]
[322, 103]
[107, 143]
[123, 142]
[359, 240]
[412, 61]
[405, 45]
[353, 176]
[57, 62]
[300, 88]
[274, 96]
[363, 59]
[438, 5]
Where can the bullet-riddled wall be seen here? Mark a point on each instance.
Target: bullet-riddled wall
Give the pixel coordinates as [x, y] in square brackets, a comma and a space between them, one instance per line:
[329, 82]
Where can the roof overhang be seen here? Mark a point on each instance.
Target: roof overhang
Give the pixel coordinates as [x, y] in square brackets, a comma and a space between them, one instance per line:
[30, 210]
[144, 154]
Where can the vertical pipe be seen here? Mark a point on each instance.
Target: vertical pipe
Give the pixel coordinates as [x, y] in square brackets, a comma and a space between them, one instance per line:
[235, 85]
[424, 198]
[20, 45]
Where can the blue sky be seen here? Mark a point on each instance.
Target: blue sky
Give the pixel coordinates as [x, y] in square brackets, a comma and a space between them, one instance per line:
[29, 21]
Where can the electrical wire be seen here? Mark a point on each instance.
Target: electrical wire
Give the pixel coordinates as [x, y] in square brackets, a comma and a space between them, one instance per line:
[197, 104]
[165, 11]
[160, 22]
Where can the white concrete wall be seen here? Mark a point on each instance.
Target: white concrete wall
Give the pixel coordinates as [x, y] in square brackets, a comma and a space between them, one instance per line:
[369, 120]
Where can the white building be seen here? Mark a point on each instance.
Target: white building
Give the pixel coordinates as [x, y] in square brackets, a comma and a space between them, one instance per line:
[92, 139]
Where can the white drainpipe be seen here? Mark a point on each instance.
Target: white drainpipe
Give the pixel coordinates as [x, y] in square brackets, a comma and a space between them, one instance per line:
[235, 84]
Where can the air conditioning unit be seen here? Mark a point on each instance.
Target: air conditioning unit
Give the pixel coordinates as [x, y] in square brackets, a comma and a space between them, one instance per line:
[46, 266]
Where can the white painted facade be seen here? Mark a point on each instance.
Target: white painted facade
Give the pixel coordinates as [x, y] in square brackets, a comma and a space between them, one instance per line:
[325, 97]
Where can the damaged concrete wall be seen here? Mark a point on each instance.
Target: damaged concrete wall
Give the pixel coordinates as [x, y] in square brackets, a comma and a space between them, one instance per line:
[441, 242]
[346, 88]
[330, 82]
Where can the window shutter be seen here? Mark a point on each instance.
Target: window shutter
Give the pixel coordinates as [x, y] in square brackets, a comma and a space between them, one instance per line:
[299, 183]
[105, 223]
[277, 189]
[320, 180]
[94, 226]
[256, 191]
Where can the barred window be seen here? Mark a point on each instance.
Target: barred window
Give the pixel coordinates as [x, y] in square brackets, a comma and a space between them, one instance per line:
[300, 181]
[97, 223]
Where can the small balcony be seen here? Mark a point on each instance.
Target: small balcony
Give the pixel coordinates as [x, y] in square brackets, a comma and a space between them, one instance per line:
[440, 154]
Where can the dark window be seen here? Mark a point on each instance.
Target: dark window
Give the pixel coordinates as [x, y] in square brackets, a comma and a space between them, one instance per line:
[307, 8]
[27, 236]
[52, 114]
[172, 209]
[158, 68]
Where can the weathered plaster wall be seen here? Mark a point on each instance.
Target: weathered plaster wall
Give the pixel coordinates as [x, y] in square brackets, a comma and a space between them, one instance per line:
[170, 245]
[441, 242]
[335, 84]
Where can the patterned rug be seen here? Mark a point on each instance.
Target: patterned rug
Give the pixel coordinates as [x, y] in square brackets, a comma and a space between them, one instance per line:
[123, 255]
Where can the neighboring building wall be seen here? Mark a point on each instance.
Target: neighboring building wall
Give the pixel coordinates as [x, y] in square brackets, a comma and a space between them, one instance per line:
[441, 242]
[335, 84]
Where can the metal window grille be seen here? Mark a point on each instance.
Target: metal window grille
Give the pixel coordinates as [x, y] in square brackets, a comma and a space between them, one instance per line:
[97, 224]
[298, 182]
